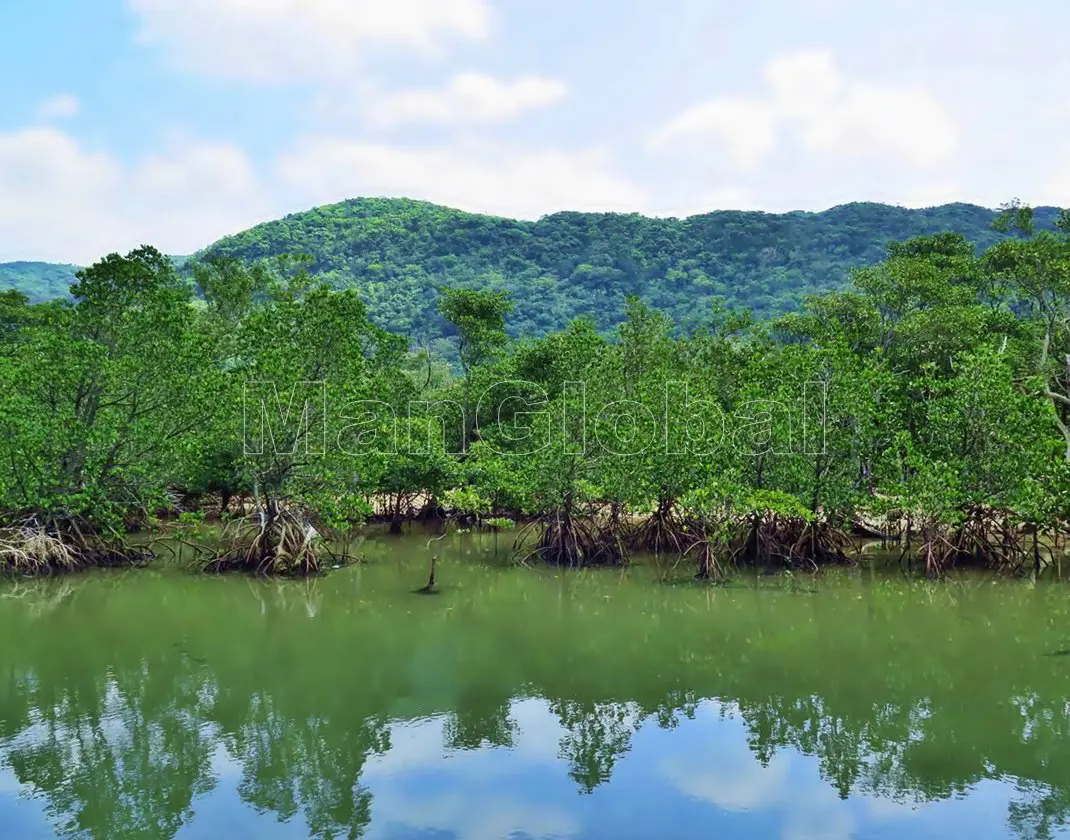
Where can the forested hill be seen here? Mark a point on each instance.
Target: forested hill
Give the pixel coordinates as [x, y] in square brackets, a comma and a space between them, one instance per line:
[39, 281]
[398, 251]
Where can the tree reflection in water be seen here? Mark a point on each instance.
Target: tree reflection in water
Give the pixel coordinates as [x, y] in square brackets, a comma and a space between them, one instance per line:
[116, 700]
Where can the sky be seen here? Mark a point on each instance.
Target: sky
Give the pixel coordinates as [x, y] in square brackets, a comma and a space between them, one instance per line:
[176, 122]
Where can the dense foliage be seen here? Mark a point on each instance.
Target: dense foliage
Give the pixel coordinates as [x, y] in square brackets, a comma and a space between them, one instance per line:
[398, 253]
[930, 404]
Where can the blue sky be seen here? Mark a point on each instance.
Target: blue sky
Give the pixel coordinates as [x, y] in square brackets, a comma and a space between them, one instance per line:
[174, 122]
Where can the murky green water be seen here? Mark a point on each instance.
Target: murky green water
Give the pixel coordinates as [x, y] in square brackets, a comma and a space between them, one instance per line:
[529, 704]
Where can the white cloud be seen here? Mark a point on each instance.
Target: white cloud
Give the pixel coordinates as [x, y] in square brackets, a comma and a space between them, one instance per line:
[803, 83]
[930, 194]
[418, 748]
[1056, 111]
[452, 814]
[824, 8]
[831, 116]
[729, 198]
[197, 168]
[62, 202]
[63, 105]
[1054, 189]
[739, 784]
[788, 788]
[718, 198]
[480, 178]
[280, 40]
[907, 124]
[746, 129]
[49, 191]
[469, 98]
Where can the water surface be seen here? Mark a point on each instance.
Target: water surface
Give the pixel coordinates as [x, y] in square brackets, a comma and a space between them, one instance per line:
[531, 704]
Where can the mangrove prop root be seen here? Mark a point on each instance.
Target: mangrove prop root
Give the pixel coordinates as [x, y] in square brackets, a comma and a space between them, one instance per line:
[771, 540]
[570, 540]
[280, 543]
[982, 538]
[709, 568]
[40, 546]
[662, 533]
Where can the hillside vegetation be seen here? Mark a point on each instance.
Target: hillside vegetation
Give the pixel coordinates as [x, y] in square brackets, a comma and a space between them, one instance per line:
[39, 281]
[398, 252]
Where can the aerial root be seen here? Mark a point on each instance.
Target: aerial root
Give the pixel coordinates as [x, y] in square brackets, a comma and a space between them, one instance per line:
[54, 545]
[768, 539]
[662, 533]
[709, 567]
[984, 538]
[573, 541]
[283, 543]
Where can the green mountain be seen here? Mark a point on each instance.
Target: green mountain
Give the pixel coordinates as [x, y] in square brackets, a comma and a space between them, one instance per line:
[39, 281]
[397, 252]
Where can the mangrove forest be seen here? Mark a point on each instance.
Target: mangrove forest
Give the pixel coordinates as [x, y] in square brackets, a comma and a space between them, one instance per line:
[927, 407]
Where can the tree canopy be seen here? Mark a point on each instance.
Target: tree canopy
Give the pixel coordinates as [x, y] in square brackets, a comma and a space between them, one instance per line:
[398, 253]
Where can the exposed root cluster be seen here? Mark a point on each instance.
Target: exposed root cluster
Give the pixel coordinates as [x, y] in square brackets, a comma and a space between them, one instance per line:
[662, 533]
[281, 542]
[756, 539]
[703, 549]
[983, 538]
[32, 551]
[672, 539]
[714, 544]
[570, 540]
[40, 547]
[770, 540]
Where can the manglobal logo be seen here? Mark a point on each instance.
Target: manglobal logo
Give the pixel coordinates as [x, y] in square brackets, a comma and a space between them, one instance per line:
[519, 418]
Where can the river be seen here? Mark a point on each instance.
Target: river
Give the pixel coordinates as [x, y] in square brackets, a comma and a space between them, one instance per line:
[531, 703]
